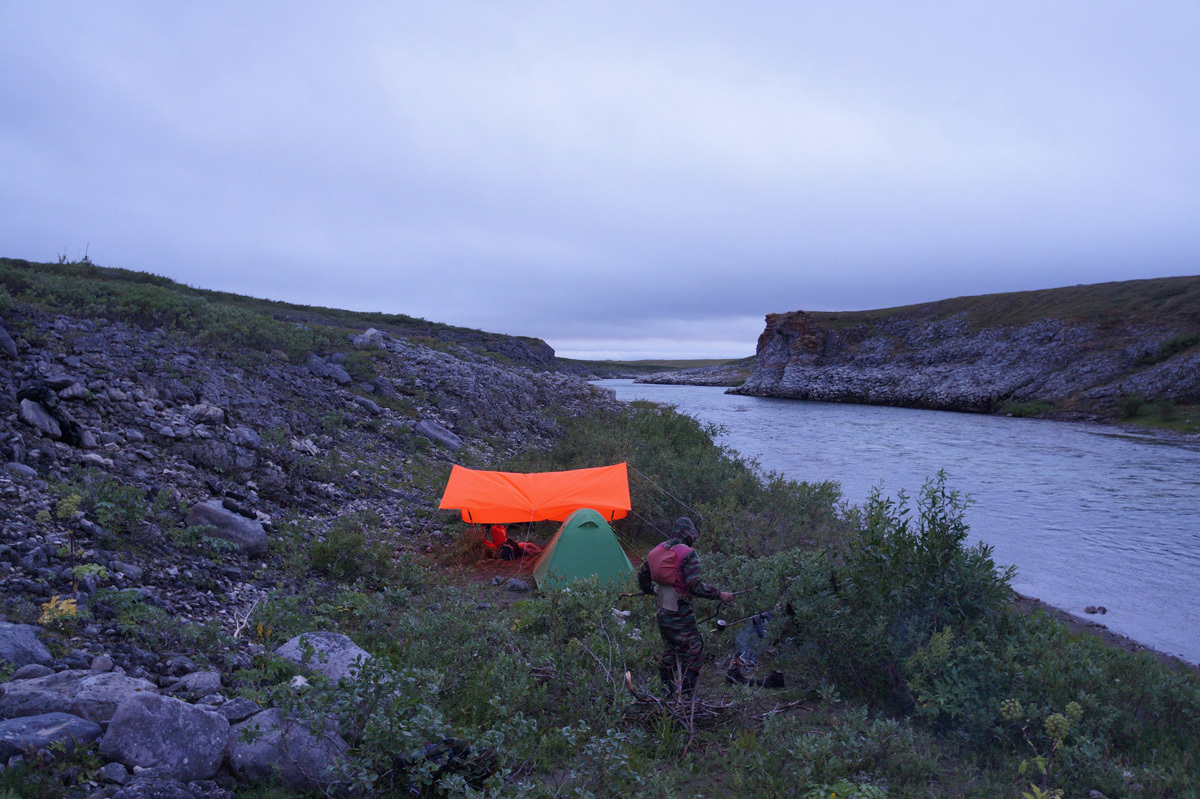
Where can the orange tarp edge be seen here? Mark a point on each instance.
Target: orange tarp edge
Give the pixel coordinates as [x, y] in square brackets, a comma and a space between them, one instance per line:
[509, 497]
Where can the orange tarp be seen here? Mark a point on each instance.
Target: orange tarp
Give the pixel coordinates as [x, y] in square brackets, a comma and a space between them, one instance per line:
[509, 497]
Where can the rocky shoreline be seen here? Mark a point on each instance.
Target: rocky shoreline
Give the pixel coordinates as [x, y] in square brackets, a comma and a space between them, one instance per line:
[729, 375]
[144, 479]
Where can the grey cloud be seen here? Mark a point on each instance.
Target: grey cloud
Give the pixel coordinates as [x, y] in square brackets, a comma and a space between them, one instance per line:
[682, 169]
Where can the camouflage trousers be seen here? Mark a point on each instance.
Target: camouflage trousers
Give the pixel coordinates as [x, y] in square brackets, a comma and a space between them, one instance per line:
[684, 644]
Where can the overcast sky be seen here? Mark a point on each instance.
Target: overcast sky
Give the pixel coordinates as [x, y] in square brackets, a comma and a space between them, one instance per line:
[625, 180]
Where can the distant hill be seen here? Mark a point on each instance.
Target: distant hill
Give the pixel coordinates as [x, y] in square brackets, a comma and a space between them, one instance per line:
[643, 369]
[1082, 351]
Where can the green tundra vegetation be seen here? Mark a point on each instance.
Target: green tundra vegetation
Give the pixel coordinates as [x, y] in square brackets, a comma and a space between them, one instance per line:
[909, 670]
[1166, 301]
[220, 320]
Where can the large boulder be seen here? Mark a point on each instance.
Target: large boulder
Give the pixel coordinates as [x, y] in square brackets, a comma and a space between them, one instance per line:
[370, 338]
[31, 733]
[19, 645]
[284, 749]
[436, 433]
[80, 692]
[203, 413]
[7, 345]
[196, 685]
[248, 534]
[331, 654]
[148, 730]
[34, 415]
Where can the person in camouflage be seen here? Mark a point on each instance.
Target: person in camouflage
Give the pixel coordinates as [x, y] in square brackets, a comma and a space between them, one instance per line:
[677, 625]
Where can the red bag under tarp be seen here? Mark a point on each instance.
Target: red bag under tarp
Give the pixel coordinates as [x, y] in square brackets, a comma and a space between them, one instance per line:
[510, 497]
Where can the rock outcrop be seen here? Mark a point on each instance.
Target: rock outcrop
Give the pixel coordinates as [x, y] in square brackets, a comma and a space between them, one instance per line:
[943, 358]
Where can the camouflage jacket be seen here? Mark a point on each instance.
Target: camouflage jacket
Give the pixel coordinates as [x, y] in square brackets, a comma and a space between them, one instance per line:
[691, 575]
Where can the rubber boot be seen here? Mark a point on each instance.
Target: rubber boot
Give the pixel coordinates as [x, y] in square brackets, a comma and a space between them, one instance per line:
[689, 683]
[667, 675]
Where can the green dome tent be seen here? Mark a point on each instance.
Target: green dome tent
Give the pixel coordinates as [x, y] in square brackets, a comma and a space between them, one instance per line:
[584, 546]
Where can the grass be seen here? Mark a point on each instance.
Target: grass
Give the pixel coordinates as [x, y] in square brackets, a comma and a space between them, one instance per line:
[221, 319]
[1172, 302]
[1166, 415]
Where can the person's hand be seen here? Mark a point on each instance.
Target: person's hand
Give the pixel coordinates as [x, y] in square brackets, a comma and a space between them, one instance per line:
[726, 597]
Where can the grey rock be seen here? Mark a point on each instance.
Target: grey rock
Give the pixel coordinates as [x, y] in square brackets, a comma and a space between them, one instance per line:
[332, 654]
[370, 338]
[285, 750]
[75, 391]
[128, 569]
[19, 645]
[248, 534]
[32, 671]
[21, 470]
[435, 432]
[203, 413]
[318, 367]
[195, 685]
[340, 375]
[161, 786]
[7, 345]
[370, 406]
[102, 663]
[383, 386]
[114, 773]
[245, 437]
[238, 709]
[178, 665]
[520, 586]
[148, 730]
[34, 415]
[39, 732]
[80, 692]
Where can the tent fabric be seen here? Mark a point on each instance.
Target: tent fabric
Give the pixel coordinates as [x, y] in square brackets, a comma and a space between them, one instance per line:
[509, 497]
[584, 546]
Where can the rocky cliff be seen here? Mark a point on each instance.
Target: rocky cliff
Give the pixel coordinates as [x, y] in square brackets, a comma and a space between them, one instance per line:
[1078, 351]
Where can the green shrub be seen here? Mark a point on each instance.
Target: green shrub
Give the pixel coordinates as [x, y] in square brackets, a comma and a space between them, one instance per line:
[676, 469]
[1169, 348]
[116, 507]
[1130, 405]
[1165, 408]
[353, 549]
[1026, 409]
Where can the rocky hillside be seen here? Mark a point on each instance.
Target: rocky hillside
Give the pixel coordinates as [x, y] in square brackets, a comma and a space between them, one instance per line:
[157, 477]
[1074, 351]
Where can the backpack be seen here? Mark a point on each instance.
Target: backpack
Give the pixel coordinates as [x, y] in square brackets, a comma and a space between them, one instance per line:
[666, 565]
[509, 550]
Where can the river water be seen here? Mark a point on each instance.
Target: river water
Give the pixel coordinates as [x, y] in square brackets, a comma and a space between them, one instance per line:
[1089, 514]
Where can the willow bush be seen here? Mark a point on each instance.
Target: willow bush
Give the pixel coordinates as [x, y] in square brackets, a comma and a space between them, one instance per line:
[677, 469]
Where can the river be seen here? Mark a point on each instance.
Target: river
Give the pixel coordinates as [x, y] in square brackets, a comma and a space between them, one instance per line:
[1089, 514]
